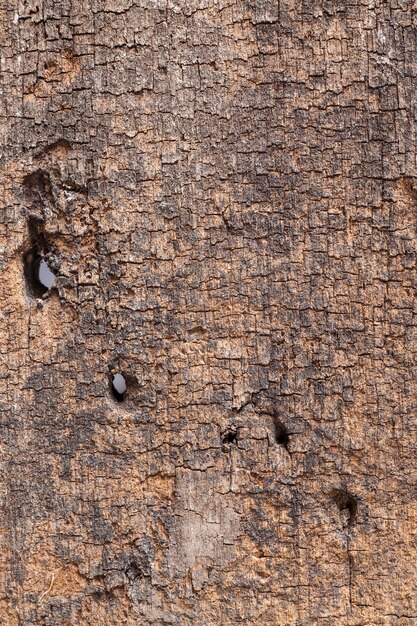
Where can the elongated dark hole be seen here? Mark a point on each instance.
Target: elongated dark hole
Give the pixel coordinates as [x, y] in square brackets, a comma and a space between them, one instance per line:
[118, 387]
[39, 276]
[347, 504]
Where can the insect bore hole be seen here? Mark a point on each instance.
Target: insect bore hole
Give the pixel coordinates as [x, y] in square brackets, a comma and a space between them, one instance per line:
[229, 438]
[347, 505]
[118, 387]
[281, 434]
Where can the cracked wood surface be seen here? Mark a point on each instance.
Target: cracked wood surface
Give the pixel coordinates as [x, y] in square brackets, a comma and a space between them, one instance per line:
[227, 193]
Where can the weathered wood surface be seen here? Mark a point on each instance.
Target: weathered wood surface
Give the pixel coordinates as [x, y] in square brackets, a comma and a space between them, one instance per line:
[227, 192]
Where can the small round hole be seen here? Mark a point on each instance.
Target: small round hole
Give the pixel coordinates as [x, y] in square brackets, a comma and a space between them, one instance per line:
[118, 387]
[229, 438]
[281, 434]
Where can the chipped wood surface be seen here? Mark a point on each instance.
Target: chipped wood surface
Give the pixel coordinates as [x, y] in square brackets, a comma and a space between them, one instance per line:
[226, 193]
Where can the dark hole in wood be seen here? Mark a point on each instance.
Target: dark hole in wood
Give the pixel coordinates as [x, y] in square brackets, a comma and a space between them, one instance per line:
[229, 438]
[31, 263]
[281, 433]
[118, 387]
[133, 571]
[39, 276]
[347, 505]
[38, 272]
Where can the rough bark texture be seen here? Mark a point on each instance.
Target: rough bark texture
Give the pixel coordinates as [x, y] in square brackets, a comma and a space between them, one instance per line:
[227, 192]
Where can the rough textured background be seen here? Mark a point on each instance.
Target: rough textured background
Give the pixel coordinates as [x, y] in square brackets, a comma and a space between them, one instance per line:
[228, 192]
